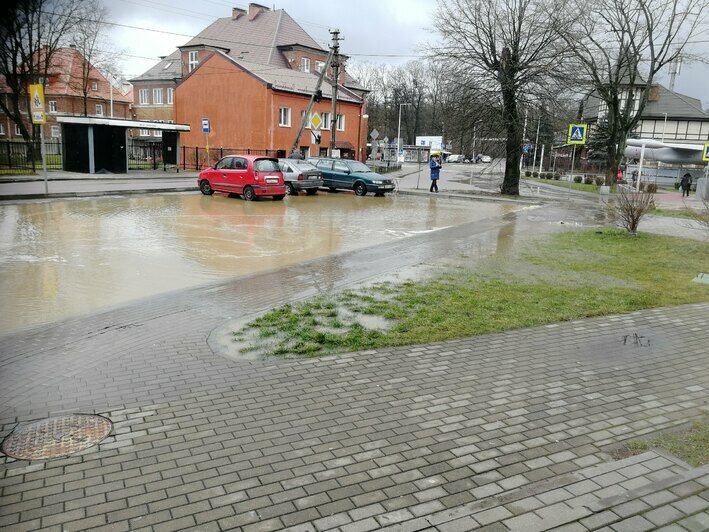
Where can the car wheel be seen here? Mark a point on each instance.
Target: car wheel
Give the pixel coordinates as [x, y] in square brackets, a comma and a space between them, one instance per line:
[290, 190]
[249, 194]
[205, 188]
[279, 197]
[360, 188]
[311, 191]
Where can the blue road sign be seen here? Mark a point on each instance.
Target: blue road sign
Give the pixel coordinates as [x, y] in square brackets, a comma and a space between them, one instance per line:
[205, 125]
[705, 157]
[577, 134]
[527, 148]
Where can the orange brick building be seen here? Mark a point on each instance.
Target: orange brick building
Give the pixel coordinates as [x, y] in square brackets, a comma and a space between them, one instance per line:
[252, 74]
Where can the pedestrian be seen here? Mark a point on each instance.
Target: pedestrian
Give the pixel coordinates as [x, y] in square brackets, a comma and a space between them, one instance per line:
[635, 177]
[435, 165]
[686, 184]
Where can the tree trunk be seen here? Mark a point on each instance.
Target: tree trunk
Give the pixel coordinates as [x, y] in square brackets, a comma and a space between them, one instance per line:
[510, 117]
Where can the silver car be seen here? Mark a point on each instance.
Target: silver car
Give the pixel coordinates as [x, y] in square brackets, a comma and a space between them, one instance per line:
[300, 175]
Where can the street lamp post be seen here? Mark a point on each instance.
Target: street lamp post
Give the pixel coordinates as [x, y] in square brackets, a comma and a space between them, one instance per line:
[398, 132]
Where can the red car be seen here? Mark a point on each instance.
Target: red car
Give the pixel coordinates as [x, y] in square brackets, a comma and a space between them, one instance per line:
[246, 175]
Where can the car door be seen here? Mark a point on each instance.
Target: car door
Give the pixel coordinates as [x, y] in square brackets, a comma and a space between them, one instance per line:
[325, 166]
[238, 175]
[341, 175]
[289, 173]
[220, 176]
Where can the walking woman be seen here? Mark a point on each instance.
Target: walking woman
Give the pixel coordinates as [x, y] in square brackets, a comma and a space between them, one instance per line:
[435, 165]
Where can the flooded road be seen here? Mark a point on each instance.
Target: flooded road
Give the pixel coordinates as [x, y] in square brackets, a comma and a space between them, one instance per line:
[64, 258]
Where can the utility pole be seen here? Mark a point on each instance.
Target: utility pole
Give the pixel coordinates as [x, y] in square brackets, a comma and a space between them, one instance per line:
[524, 134]
[317, 94]
[335, 50]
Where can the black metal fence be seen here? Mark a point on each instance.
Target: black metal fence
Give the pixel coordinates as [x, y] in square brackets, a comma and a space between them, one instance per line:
[27, 156]
[196, 158]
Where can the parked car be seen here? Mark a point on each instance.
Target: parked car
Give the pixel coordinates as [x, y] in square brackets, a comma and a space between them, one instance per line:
[485, 159]
[300, 175]
[251, 176]
[456, 158]
[351, 175]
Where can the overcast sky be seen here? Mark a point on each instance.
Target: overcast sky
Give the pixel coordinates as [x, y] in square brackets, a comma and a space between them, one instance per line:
[380, 31]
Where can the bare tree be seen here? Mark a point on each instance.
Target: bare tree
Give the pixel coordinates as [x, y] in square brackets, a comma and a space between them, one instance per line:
[619, 46]
[30, 33]
[507, 48]
[630, 206]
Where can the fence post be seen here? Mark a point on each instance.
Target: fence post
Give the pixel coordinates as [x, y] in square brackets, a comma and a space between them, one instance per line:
[184, 161]
[196, 158]
[9, 155]
[221, 152]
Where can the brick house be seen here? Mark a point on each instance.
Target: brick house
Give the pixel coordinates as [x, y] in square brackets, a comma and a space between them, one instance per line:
[252, 74]
[64, 95]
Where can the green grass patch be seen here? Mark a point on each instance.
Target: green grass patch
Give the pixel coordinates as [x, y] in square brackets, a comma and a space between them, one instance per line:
[682, 213]
[691, 445]
[569, 276]
[564, 184]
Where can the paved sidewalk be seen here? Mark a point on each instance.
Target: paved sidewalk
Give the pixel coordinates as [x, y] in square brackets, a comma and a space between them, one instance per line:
[501, 430]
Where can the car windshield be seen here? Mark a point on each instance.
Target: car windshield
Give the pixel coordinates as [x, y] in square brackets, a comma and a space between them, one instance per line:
[303, 166]
[266, 165]
[356, 166]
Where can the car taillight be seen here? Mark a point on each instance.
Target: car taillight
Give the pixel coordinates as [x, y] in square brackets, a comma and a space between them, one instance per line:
[300, 177]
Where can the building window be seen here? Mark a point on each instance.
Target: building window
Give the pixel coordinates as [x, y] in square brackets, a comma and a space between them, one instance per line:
[319, 65]
[144, 132]
[194, 60]
[157, 96]
[52, 106]
[307, 122]
[94, 86]
[284, 117]
[170, 93]
[304, 64]
[56, 132]
[99, 109]
[144, 96]
[326, 121]
[340, 122]
[158, 132]
[2, 129]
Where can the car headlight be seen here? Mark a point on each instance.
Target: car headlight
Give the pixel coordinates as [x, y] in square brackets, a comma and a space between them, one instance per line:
[377, 182]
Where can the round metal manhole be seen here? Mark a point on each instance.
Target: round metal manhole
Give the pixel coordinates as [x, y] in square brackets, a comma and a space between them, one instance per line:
[56, 437]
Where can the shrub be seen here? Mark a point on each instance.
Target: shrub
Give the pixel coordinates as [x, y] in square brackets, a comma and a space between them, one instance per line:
[599, 180]
[544, 175]
[535, 174]
[578, 179]
[588, 180]
[676, 185]
[630, 206]
[651, 188]
[557, 176]
[527, 174]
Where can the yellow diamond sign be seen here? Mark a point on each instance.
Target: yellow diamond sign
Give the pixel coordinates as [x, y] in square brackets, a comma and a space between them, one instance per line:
[315, 121]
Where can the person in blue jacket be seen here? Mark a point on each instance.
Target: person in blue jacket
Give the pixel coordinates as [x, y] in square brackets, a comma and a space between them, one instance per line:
[435, 165]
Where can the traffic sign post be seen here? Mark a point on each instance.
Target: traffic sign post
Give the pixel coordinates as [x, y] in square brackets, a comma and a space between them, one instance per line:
[206, 128]
[40, 118]
[577, 135]
[315, 137]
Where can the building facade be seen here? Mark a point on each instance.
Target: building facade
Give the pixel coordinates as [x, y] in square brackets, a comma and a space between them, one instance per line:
[72, 87]
[252, 75]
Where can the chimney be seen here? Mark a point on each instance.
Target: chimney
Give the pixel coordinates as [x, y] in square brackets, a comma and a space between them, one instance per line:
[237, 12]
[255, 10]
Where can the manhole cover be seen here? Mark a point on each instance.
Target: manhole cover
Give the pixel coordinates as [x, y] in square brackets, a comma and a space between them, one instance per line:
[56, 436]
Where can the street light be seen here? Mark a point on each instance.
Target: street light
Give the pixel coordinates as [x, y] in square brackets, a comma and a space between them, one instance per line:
[398, 132]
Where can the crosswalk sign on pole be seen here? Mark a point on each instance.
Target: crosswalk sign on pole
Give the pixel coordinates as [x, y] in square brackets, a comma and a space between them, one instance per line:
[577, 134]
[705, 156]
[37, 104]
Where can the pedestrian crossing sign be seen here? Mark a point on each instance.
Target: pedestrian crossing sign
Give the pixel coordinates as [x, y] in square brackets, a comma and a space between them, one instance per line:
[577, 134]
[705, 156]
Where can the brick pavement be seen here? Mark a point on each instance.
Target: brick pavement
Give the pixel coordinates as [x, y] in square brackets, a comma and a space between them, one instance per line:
[505, 431]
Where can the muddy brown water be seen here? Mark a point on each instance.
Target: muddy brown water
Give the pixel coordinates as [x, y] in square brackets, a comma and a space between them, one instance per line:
[65, 258]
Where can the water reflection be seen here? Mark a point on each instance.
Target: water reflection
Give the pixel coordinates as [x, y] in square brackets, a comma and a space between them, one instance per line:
[64, 258]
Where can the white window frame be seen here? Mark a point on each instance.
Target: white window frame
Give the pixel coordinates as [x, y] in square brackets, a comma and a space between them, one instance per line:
[307, 123]
[94, 86]
[193, 60]
[325, 121]
[18, 133]
[99, 109]
[284, 117]
[157, 96]
[319, 65]
[52, 106]
[55, 132]
[305, 64]
[158, 132]
[170, 95]
[340, 122]
[144, 133]
[2, 129]
[144, 96]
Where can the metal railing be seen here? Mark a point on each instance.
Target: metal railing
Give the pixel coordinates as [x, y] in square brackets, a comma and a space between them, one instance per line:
[21, 156]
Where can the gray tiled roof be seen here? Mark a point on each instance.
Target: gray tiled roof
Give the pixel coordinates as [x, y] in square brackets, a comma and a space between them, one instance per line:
[289, 80]
[256, 40]
[168, 68]
[676, 105]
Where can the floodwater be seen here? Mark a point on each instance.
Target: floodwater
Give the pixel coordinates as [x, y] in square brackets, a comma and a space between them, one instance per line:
[65, 258]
